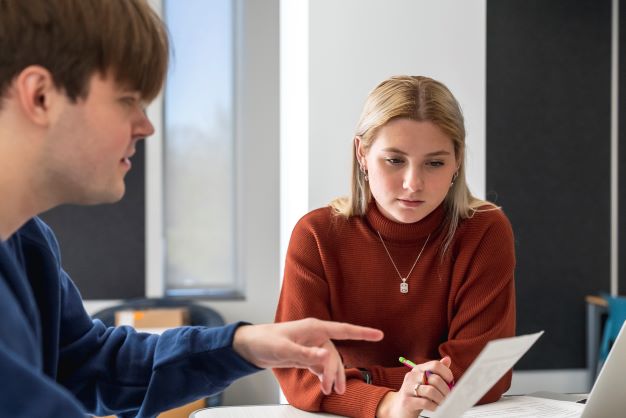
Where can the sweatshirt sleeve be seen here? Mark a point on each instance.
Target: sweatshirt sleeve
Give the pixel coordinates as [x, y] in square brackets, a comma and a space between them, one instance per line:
[117, 370]
[305, 294]
[27, 391]
[481, 307]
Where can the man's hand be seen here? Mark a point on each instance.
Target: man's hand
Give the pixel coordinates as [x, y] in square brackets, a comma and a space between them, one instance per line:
[304, 344]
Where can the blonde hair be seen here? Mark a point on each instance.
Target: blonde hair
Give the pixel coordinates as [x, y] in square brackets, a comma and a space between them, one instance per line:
[420, 99]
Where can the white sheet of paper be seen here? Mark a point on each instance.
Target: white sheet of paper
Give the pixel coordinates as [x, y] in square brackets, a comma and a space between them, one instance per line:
[492, 363]
[527, 407]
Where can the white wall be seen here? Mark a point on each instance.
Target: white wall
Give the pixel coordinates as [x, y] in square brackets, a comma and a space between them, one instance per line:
[355, 44]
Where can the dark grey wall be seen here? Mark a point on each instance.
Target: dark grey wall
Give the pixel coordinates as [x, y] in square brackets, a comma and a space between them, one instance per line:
[548, 161]
[622, 146]
[103, 247]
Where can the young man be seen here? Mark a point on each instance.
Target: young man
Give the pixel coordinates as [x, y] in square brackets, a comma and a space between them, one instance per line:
[75, 76]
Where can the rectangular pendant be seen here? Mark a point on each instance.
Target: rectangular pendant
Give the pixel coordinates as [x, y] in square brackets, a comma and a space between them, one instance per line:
[404, 287]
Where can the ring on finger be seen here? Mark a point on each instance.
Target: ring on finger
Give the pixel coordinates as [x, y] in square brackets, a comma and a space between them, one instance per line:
[416, 388]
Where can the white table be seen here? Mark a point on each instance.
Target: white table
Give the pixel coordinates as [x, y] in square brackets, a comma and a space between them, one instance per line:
[256, 411]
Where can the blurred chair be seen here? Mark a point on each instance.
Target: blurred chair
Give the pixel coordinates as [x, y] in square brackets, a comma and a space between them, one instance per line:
[612, 325]
[197, 315]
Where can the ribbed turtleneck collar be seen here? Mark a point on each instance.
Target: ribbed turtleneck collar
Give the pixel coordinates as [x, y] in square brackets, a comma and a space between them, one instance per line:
[400, 232]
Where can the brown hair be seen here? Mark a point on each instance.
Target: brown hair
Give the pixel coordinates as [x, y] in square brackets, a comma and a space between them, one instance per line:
[420, 99]
[73, 39]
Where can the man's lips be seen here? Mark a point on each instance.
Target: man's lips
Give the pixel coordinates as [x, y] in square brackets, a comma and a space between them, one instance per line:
[126, 162]
[126, 158]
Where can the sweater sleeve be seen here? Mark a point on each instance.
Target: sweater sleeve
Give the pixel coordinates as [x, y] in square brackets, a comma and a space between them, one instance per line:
[305, 294]
[482, 302]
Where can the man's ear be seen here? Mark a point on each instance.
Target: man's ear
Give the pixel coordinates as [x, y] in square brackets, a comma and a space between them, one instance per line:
[35, 93]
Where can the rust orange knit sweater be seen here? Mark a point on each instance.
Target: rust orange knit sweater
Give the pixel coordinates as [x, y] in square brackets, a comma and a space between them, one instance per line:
[337, 269]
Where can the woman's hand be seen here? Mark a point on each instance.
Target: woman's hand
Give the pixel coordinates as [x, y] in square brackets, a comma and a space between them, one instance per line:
[415, 395]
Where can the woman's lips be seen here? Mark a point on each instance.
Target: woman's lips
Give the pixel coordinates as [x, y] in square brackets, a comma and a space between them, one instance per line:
[411, 203]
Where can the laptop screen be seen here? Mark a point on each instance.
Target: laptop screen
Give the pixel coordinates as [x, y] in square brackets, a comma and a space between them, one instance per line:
[607, 397]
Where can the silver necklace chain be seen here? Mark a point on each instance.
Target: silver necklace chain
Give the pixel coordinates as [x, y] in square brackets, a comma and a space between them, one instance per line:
[404, 286]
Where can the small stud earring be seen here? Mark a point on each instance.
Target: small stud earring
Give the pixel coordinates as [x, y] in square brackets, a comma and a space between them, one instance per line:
[364, 171]
[456, 174]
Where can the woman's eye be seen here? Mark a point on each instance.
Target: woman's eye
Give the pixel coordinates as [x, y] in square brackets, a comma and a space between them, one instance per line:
[394, 161]
[435, 163]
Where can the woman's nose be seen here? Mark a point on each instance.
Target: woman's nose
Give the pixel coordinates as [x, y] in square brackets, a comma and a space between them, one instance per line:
[413, 180]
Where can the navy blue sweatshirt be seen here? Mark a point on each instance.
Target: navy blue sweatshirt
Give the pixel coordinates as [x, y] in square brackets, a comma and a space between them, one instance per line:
[55, 361]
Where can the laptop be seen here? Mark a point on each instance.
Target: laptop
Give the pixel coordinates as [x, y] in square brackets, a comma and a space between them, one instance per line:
[608, 395]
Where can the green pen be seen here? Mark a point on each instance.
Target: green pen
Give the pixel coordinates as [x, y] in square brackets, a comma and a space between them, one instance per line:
[408, 363]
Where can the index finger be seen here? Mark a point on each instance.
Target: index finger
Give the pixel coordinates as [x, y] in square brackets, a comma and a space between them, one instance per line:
[345, 331]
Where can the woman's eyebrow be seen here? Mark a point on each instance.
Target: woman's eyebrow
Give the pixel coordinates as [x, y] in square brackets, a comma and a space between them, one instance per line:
[430, 154]
[438, 153]
[396, 150]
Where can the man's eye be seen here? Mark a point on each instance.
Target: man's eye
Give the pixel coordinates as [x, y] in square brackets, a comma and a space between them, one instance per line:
[128, 101]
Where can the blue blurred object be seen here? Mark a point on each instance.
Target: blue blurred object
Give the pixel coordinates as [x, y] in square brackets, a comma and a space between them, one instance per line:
[613, 324]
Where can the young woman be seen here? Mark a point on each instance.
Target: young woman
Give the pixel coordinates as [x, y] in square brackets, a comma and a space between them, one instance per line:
[411, 252]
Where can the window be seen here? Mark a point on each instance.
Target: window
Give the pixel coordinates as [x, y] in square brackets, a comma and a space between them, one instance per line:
[199, 164]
